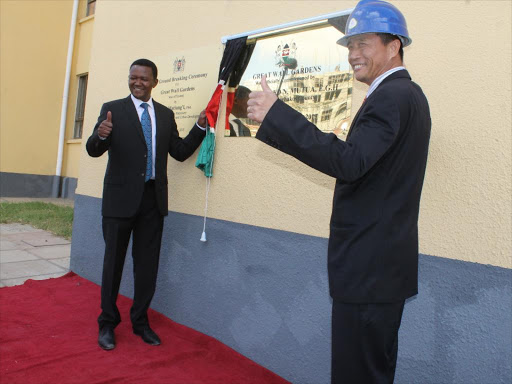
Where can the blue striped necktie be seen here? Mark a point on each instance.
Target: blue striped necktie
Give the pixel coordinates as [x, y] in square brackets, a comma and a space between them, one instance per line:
[145, 120]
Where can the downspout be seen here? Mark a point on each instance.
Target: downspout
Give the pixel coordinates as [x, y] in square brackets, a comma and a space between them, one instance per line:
[63, 113]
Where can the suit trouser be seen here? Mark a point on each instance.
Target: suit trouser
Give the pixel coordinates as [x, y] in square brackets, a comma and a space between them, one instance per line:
[146, 226]
[365, 342]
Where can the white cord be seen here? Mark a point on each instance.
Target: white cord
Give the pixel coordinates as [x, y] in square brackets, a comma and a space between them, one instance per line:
[208, 179]
[203, 236]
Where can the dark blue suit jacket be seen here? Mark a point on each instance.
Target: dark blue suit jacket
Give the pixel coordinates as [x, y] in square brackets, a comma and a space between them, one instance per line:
[379, 171]
[125, 174]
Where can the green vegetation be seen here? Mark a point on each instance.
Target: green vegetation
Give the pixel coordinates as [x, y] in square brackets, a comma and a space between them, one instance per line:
[49, 217]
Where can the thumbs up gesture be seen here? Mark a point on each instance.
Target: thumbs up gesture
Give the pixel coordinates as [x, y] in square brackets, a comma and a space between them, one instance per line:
[105, 127]
[260, 102]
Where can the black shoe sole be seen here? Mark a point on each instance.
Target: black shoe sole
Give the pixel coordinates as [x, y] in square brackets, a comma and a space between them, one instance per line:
[147, 342]
[107, 348]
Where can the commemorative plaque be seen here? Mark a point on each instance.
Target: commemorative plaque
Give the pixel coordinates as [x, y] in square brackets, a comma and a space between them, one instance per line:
[186, 82]
[309, 72]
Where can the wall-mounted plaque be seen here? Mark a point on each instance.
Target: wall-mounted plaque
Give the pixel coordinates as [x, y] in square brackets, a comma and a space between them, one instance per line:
[308, 71]
[186, 82]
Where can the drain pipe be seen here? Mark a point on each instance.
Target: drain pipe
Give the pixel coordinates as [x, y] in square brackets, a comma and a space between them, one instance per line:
[63, 113]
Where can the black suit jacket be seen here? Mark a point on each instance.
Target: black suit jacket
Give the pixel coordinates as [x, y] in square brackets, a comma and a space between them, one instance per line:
[125, 174]
[379, 171]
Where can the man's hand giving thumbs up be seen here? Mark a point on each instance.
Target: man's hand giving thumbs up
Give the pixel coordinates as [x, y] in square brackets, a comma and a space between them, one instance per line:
[260, 102]
[105, 127]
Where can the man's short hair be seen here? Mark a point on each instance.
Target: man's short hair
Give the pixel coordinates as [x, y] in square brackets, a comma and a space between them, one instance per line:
[387, 38]
[242, 92]
[147, 63]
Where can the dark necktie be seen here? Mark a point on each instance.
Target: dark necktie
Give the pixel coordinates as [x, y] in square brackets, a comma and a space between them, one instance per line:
[145, 121]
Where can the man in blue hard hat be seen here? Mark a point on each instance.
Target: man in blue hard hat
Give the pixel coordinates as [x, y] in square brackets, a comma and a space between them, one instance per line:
[379, 171]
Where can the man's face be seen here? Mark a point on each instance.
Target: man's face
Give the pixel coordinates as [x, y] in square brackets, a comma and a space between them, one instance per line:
[370, 58]
[240, 107]
[141, 82]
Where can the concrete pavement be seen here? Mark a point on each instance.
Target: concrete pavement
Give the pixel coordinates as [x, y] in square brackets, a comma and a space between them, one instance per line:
[29, 253]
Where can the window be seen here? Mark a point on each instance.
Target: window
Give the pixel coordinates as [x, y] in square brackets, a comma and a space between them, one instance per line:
[338, 79]
[341, 109]
[91, 7]
[319, 82]
[80, 106]
[332, 95]
[326, 115]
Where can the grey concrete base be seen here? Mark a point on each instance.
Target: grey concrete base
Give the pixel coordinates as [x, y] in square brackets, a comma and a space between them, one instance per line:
[25, 185]
[264, 293]
[28, 185]
[68, 187]
[55, 186]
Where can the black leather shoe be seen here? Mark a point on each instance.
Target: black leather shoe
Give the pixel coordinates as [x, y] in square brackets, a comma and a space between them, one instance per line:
[106, 338]
[148, 335]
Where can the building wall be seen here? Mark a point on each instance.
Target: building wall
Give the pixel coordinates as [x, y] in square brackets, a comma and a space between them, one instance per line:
[259, 284]
[32, 70]
[34, 41]
[80, 66]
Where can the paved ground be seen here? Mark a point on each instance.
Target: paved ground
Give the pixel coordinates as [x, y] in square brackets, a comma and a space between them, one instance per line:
[29, 253]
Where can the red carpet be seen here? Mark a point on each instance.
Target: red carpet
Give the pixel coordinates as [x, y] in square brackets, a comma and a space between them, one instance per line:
[48, 334]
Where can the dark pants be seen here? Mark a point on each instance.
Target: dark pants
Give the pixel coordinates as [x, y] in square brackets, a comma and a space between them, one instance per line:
[147, 226]
[365, 342]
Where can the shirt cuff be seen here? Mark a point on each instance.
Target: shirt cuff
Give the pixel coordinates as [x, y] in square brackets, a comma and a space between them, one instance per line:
[198, 126]
[102, 138]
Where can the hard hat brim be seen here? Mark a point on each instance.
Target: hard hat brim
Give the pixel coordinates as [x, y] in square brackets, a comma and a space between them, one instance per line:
[344, 40]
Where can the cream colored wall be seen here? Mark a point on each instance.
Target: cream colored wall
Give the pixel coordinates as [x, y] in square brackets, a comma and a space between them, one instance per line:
[466, 73]
[79, 66]
[461, 56]
[33, 41]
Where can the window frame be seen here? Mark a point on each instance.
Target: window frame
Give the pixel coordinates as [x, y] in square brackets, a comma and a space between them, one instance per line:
[81, 96]
[90, 8]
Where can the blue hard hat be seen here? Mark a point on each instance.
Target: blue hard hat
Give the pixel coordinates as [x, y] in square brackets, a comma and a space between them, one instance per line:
[376, 16]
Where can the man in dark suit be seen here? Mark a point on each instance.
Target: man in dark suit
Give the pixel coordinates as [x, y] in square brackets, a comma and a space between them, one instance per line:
[239, 111]
[379, 171]
[138, 134]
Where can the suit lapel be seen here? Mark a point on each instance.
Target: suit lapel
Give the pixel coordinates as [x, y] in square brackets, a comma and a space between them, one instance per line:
[355, 120]
[401, 73]
[158, 126]
[133, 117]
